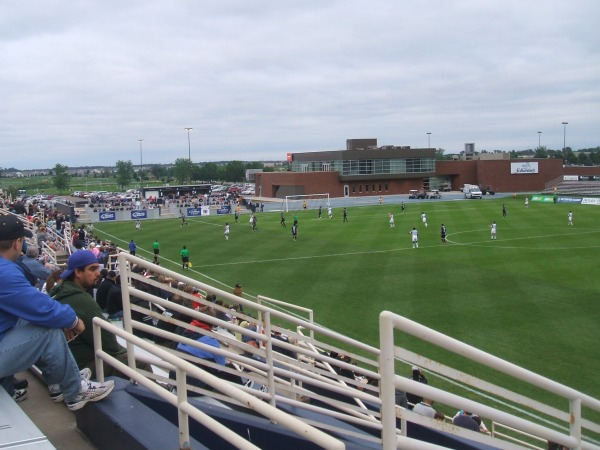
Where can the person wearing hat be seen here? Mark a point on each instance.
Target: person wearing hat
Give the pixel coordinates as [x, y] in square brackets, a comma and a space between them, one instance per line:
[82, 274]
[36, 331]
[417, 375]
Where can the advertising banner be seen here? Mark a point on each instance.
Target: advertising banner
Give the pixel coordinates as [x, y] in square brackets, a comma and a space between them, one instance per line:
[590, 201]
[523, 168]
[205, 210]
[193, 212]
[107, 215]
[224, 210]
[543, 198]
[574, 200]
[139, 214]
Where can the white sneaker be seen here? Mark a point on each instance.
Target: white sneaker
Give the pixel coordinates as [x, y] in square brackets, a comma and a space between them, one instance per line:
[91, 392]
[19, 395]
[56, 394]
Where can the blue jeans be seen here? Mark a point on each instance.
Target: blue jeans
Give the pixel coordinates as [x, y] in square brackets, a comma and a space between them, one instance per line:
[27, 344]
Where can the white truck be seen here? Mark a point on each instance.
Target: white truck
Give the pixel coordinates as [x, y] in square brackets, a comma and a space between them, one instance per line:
[472, 191]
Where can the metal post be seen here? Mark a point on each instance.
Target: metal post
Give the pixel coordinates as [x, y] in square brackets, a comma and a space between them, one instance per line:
[141, 168]
[189, 144]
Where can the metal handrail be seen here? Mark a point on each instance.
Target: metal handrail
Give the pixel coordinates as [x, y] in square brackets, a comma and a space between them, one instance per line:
[186, 409]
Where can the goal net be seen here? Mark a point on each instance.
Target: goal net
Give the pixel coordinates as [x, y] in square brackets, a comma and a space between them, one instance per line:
[299, 202]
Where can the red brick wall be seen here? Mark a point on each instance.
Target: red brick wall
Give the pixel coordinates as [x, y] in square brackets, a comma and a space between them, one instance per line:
[495, 174]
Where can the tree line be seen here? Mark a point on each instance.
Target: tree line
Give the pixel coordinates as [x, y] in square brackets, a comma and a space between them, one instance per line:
[183, 171]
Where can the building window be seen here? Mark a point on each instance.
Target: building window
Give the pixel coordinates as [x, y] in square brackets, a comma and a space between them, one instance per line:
[360, 188]
[304, 168]
[386, 187]
[326, 167]
[353, 189]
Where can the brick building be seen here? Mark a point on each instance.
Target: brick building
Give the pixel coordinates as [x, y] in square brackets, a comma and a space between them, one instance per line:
[364, 169]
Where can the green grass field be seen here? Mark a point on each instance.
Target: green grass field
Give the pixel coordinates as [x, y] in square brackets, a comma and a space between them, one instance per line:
[529, 297]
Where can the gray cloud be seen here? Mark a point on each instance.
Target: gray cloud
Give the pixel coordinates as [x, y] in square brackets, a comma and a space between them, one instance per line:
[82, 81]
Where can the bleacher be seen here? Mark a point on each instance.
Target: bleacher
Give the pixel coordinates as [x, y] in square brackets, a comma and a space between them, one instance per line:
[296, 393]
[560, 186]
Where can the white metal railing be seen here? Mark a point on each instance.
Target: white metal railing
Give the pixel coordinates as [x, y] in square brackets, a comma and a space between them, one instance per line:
[312, 373]
[389, 381]
[182, 368]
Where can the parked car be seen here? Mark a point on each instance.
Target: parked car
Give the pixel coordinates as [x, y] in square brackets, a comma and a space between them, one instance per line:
[412, 193]
[434, 193]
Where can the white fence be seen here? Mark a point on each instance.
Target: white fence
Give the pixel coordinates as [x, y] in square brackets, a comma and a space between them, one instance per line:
[305, 370]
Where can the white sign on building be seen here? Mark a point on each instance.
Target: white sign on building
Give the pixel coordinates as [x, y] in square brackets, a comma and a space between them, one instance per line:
[520, 168]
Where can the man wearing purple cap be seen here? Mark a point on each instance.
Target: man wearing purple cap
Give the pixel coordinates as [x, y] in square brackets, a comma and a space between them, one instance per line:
[82, 274]
[34, 328]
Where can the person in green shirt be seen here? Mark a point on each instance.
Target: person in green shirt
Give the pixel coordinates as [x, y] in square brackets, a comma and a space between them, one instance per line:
[185, 258]
[82, 274]
[156, 248]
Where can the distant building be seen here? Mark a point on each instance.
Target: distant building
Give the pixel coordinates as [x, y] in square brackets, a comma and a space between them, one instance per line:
[365, 169]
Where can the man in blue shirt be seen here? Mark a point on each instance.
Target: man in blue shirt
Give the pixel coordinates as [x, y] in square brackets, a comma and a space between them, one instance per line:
[34, 328]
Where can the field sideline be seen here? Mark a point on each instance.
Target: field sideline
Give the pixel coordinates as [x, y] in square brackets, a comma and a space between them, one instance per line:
[529, 297]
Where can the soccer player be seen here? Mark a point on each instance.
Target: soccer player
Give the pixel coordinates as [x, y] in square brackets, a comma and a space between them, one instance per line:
[283, 220]
[415, 237]
[403, 207]
[185, 258]
[380, 200]
[320, 210]
[392, 223]
[526, 202]
[138, 225]
[226, 232]
[236, 216]
[443, 233]
[503, 210]
[294, 231]
[345, 215]
[156, 250]
[330, 212]
[132, 247]
[570, 216]
[424, 219]
[183, 220]
[493, 228]
[253, 219]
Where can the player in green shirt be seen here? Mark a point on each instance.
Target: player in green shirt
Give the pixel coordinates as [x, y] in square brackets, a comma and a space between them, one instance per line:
[185, 258]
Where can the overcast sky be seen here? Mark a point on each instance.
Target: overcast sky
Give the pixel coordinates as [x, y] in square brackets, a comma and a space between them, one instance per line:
[82, 80]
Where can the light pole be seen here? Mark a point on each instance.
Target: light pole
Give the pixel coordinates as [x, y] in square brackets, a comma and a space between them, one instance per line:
[539, 139]
[141, 168]
[189, 144]
[428, 140]
[565, 136]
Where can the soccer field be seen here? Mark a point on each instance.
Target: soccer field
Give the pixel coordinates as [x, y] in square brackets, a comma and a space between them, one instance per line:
[530, 296]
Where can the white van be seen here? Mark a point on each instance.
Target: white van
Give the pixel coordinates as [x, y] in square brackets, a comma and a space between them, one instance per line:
[472, 191]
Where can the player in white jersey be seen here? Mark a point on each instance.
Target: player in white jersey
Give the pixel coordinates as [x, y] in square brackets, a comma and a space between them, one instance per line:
[330, 212]
[570, 216]
[392, 224]
[226, 232]
[493, 228]
[415, 237]
[424, 219]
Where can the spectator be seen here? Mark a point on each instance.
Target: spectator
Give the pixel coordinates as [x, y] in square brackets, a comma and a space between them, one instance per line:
[52, 280]
[104, 288]
[36, 331]
[39, 270]
[465, 420]
[114, 301]
[417, 375]
[425, 408]
[82, 273]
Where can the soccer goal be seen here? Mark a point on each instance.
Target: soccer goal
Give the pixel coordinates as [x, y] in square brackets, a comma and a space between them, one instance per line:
[299, 202]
